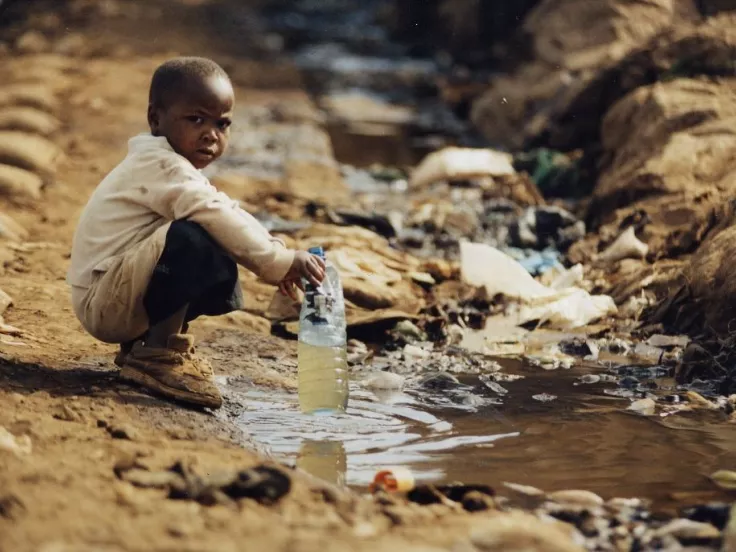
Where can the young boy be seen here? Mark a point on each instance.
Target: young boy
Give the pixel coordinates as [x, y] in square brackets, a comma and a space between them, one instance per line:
[157, 245]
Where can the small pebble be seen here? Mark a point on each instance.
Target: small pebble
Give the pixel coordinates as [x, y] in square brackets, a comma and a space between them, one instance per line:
[576, 497]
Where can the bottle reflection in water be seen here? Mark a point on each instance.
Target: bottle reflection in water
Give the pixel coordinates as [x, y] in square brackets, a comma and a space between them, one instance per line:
[324, 459]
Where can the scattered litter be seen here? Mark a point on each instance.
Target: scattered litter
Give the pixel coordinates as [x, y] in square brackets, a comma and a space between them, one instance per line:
[645, 407]
[486, 266]
[384, 380]
[394, 479]
[626, 246]
[668, 341]
[412, 351]
[544, 397]
[546, 226]
[699, 401]
[588, 379]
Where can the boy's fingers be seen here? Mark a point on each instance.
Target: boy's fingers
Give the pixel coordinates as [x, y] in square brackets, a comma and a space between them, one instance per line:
[299, 284]
[316, 271]
[320, 261]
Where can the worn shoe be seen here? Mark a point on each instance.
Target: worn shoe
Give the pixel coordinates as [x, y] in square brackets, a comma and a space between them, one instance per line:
[175, 372]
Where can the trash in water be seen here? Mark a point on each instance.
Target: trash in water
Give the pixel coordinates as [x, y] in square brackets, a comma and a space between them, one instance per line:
[664, 341]
[544, 397]
[645, 407]
[384, 380]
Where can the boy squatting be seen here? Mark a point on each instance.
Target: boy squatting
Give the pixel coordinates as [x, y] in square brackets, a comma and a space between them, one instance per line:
[157, 245]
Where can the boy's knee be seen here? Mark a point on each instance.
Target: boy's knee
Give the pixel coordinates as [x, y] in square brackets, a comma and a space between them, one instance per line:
[191, 235]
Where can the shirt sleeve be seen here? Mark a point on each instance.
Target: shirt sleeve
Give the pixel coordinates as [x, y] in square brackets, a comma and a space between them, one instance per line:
[182, 192]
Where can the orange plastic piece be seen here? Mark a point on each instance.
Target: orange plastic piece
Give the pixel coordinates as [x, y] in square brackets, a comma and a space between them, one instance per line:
[395, 479]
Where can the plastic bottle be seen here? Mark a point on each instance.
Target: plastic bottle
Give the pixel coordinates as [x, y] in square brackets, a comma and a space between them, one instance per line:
[322, 352]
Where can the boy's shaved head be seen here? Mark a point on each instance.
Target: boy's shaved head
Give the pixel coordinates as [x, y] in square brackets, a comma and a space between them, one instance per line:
[173, 76]
[190, 104]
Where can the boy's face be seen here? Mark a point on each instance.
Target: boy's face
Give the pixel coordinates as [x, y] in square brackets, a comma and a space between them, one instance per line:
[197, 122]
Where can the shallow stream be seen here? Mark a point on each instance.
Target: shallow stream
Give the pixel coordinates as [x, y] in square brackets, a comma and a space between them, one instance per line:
[582, 438]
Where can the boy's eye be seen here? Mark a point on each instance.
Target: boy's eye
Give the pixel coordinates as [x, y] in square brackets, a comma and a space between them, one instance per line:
[197, 120]
[224, 124]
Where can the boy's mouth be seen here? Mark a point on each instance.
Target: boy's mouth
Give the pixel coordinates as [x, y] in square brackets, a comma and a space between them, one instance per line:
[207, 152]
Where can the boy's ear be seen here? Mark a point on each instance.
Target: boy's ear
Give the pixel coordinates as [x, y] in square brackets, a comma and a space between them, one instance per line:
[153, 118]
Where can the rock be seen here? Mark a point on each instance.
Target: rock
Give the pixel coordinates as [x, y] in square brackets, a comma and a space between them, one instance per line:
[19, 446]
[684, 529]
[517, 532]
[122, 431]
[475, 501]
[585, 499]
[66, 413]
[525, 490]
[573, 41]
[28, 151]
[71, 44]
[19, 184]
[38, 96]
[247, 321]
[5, 301]
[11, 507]
[28, 119]
[440, 380]
[408, 330]
[11, 230]
[32, 42]
[725, 479]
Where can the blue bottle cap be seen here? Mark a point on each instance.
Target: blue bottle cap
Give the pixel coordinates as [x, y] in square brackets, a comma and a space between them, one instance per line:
[319, 251]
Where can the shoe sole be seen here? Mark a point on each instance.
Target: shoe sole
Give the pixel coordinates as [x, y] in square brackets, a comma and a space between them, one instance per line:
[130, 374]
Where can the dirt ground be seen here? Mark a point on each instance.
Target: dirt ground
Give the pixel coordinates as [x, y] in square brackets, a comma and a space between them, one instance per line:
[58, 386]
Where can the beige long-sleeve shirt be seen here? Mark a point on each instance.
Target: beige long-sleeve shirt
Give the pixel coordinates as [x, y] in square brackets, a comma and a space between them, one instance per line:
[152, 186]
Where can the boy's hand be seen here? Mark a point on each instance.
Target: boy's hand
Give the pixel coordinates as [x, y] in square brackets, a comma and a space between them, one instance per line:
[305, 265]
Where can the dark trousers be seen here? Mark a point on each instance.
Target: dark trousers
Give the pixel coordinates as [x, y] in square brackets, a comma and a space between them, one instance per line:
[193, 270]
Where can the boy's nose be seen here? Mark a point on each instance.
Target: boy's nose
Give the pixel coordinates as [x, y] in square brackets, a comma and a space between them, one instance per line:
[210, 135]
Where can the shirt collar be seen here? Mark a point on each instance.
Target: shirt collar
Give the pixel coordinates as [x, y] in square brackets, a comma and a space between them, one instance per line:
[147, 141]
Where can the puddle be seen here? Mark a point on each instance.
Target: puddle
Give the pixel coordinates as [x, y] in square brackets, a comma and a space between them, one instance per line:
[571, 441]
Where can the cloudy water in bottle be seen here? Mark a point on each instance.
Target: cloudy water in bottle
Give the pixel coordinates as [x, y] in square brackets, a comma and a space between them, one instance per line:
[322, 350]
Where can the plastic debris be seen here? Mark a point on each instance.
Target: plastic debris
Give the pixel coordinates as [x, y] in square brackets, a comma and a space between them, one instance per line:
[645, 407]
[486, 266]
[393, 479]
[461, 164]
[626, 246]
[544, 397]
[384, 380]
[668, 341]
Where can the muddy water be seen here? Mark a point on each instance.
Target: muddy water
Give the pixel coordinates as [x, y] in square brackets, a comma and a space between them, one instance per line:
[583, 438]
